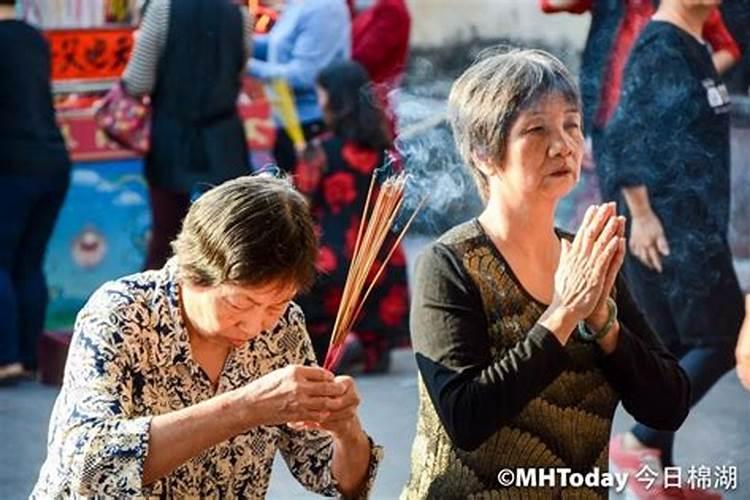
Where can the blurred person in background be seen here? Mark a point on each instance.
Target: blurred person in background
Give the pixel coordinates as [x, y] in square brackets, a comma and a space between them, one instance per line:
[34, 177]
[189, 56]
[736, 14]
[615, 26]
[667, 161]
[335, 173]
[380, 42]
[742, 351]
[308, 36]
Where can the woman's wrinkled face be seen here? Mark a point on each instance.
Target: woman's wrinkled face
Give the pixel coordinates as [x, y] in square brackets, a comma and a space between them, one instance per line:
[544, 149]
[235, 314]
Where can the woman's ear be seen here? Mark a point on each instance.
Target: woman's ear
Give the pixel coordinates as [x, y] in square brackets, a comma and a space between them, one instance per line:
[485, 165]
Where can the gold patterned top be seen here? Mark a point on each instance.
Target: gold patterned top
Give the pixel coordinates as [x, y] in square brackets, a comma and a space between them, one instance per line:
[498, 391]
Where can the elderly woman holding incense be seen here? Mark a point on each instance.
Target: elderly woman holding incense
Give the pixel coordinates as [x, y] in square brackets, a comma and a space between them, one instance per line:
[526, 339]
[180, 382]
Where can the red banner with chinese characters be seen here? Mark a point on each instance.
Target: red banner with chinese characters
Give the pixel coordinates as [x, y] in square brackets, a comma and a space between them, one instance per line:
[90, 54]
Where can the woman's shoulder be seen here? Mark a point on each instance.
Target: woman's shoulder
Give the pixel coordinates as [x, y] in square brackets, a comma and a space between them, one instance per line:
[131, 295]
[657, 41]
[451, 248]
[466, 232]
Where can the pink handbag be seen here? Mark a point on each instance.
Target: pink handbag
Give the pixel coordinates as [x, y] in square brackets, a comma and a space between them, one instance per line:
[125, 119]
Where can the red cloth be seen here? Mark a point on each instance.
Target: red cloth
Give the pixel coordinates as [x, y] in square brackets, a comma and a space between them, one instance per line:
[575, 6]
[717, 35]
[380, 40]
[637, 15]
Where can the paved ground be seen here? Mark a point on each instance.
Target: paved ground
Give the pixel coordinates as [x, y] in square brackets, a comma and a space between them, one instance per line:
[716, 433]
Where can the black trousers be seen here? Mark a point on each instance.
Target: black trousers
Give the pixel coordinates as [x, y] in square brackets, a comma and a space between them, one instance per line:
[30, 206]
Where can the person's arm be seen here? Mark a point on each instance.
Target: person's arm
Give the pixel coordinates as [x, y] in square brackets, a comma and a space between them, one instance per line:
[103, 448]
[654, 94]
[725, 47]
[314, 44]
[653, 387]
[572, 6]
[344, 459]
[742, 351]
[329, 465]
[140, 74]
[387, 33]
[110, 452]
[473, 393]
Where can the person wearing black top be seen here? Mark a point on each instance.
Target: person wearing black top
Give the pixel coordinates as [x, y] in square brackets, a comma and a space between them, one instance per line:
[525, 337]
[34, 177]
[189, 57]
[668, 149]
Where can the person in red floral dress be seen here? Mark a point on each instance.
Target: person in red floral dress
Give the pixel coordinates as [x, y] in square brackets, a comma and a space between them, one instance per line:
[335, 172]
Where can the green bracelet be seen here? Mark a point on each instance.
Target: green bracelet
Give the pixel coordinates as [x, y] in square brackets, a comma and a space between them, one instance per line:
[585, 333]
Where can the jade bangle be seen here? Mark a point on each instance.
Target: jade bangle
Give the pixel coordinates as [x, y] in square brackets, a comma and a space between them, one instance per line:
[585, 333]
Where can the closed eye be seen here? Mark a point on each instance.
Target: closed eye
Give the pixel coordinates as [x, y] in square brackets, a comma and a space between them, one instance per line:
[236, 307]
[534, 130]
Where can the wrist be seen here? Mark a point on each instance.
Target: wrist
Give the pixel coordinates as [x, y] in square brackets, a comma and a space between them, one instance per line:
[241, 409]
[598, 318]
[641, 213]
[587, 334]
[352, 434]
[560, 320]
[608, 343]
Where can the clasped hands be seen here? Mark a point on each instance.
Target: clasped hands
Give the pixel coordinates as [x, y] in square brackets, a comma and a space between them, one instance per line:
[306, 397]
[587, 271]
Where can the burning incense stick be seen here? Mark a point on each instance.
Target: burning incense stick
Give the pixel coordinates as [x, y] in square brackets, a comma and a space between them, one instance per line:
[374, 227]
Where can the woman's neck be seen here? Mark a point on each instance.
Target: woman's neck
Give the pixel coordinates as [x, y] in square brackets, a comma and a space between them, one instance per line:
[689, 19]
[528, 226]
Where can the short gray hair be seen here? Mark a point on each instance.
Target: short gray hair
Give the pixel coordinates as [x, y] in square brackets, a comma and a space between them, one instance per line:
[488, 97]
[253, 230]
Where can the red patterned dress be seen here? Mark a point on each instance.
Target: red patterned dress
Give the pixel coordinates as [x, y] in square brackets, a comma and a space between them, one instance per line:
[336, 181]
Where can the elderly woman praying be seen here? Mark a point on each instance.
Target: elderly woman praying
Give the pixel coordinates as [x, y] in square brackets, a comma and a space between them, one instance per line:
[180, 382]
[525, 337]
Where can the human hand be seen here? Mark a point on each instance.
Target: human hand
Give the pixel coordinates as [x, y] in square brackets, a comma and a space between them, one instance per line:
[742, 351]
[586, 265]
[598, 318]
[648, 242]
[342, 420]
[291, 394]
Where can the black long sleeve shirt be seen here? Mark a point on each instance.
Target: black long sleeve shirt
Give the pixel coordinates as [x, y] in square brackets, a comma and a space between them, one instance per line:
[499, 390]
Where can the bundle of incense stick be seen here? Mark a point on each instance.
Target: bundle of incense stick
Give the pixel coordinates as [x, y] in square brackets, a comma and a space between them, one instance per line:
[374, 227]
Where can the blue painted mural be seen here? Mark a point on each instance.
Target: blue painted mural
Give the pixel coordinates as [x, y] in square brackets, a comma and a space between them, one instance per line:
[101, 234]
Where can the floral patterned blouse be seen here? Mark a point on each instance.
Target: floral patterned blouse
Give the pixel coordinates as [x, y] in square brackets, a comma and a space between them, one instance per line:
[130, 360]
